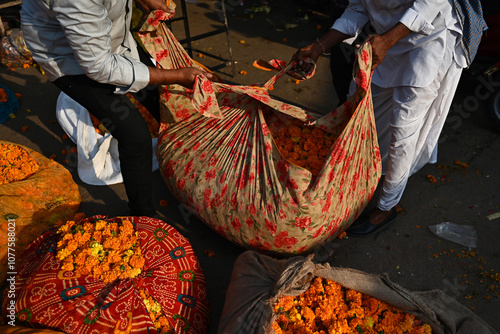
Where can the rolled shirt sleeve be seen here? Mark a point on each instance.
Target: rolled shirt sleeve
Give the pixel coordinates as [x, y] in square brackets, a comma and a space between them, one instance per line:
[352, 20]
[87, 28]
[416, 15]
[418, 18]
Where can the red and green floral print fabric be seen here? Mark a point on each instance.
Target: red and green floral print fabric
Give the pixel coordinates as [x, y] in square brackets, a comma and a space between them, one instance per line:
[219, 158]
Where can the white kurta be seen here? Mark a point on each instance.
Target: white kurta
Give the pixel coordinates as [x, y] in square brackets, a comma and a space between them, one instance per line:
[414, 86]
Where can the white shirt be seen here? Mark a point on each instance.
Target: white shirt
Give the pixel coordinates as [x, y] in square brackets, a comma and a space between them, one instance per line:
[415, 59]
[92, 37]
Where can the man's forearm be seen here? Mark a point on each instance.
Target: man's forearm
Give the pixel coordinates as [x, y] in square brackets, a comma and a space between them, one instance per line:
[394, 34]
[332, 38]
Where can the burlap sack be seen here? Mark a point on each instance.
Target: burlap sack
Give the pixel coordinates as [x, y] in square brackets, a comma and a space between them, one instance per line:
[258, 281]
[218, 156]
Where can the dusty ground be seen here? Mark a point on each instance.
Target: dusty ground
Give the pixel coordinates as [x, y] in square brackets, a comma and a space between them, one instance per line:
[408, 252]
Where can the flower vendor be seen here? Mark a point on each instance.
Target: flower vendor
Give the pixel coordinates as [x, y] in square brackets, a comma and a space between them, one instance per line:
[87, 50]
[419, 50]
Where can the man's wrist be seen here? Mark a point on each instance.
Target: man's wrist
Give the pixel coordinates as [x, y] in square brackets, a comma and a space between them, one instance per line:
[393, 35]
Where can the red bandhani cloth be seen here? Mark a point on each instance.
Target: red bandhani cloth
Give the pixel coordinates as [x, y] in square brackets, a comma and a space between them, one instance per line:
[46, 296]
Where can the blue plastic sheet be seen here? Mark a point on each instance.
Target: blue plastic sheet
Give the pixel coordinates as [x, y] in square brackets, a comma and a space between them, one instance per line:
[10, 106]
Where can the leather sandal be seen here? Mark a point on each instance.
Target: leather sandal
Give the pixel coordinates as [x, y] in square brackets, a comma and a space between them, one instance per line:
[363, 228]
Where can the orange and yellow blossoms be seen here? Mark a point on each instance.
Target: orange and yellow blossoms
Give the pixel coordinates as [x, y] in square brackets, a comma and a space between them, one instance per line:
[16, 163]
[156, 313]
[303, 145]
[105, 250]
[327, 308]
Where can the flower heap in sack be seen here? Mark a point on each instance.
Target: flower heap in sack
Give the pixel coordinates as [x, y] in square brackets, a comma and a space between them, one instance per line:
[303, 145]
[16, 163]
[104, 250]
[327, 307]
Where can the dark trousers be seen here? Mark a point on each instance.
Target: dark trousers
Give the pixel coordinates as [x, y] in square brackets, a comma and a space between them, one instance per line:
[127, 126]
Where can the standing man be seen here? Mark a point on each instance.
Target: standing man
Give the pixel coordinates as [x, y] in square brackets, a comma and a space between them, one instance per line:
[419, 51]
[87, 50]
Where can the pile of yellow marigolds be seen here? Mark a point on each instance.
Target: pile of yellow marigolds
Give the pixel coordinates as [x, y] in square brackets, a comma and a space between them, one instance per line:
[16, 163]
[327, 308]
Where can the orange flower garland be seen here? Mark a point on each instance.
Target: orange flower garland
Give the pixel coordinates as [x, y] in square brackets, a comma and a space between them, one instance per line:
[303, 145]
[105, 250]
[156, 313]
[16, 163]
[326, 307]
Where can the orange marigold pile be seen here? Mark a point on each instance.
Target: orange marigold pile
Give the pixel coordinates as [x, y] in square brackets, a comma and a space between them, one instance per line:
[16, 163]
[156, 313]
[303, 145]
[327, 307]
[105, 250]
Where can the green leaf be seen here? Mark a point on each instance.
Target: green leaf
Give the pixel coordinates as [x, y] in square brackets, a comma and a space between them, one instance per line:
[359, 329]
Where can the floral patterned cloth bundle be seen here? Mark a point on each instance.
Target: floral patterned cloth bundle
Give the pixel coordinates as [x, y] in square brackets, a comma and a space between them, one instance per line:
[221, 156]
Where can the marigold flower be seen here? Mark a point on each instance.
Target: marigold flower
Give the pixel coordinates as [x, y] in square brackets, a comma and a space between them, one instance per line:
[431, 178]
[137, 261]
[303, 145]
[156, 313]
[16, 163]
[68, 265]
[64, 253]
[100, 225]
[106, 250]
[327, 307]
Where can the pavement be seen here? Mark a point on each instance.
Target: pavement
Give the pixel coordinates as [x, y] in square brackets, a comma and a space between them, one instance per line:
[466, 190]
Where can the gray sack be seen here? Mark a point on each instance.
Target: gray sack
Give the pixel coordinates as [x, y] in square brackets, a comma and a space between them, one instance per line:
[258, 281]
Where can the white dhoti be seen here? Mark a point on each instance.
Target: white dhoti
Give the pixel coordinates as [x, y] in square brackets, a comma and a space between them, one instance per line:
[409, 121]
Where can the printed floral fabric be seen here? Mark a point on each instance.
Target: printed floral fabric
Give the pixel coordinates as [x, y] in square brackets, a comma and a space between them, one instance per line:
[47, 296]
[218, 157]
[35, 204]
